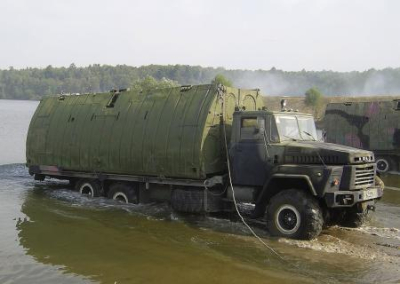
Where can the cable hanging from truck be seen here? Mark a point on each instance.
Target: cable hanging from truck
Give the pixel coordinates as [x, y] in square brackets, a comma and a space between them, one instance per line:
[231, 184]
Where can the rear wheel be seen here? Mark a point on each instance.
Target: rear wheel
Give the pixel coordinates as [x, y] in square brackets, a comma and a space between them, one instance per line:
[91, 188]
[123, 193]
[294, 214]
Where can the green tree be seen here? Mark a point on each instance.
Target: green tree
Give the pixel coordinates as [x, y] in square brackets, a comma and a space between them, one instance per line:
[34, 83]
[150, 83]
[313, 97]
[221, 79]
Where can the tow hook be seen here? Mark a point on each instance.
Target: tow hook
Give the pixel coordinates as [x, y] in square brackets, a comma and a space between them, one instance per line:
[371, 207]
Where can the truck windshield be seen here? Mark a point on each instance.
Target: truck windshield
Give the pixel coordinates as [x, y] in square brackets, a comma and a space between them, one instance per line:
[293, 127]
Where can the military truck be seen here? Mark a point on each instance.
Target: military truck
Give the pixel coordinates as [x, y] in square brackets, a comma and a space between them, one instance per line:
[203, 149]
[370, 125]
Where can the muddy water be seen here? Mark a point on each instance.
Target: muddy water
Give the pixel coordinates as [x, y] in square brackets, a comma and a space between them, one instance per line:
[50, 234]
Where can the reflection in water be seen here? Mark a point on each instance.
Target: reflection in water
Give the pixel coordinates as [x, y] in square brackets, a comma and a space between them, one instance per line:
[106, 242]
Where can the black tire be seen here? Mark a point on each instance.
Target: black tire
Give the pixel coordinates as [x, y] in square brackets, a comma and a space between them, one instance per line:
[294, 214]
[353, 219]
[384, 165]
[91, 188]
[123, 192]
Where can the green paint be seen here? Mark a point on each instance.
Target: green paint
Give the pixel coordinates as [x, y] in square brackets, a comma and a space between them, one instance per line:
[171, 132]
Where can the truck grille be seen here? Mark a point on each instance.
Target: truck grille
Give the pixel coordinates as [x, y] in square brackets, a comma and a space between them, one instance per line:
[310, 159]
[363, 159]
[364, 176]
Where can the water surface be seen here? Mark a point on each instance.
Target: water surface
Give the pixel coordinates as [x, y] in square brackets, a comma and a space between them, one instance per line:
[14, 122]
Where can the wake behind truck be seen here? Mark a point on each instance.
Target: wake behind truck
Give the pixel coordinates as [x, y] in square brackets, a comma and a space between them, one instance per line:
[186, 144]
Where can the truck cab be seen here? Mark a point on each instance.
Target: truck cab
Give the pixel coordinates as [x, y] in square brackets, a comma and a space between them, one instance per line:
[295, 181]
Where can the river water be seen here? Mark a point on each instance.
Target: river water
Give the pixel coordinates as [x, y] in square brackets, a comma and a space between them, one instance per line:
[49, 234]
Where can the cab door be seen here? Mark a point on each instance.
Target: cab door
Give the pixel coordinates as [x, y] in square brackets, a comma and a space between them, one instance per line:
[248, 152]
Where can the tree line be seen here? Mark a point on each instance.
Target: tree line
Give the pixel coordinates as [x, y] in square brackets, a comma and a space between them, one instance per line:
[34, 83]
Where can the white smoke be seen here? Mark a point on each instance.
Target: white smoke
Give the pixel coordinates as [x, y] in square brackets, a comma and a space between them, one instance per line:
[375, 84]
[278, 83]
[268, 82]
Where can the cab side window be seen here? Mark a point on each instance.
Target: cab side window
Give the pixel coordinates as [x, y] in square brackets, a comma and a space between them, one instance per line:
[250, 128]
[397, 105]
[272, 131]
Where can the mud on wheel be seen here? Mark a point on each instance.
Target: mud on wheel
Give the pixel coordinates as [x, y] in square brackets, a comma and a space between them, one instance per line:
[352, 219]
[123, 192]
[294, 214]
[91, 188]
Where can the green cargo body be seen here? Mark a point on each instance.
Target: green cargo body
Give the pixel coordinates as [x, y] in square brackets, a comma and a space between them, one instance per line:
[172, 132]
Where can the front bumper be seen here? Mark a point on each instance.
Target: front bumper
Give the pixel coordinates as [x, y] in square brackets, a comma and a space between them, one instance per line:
[349, 198]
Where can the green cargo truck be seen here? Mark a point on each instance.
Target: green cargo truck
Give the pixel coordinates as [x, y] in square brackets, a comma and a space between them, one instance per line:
[172, 144]
[370, 125]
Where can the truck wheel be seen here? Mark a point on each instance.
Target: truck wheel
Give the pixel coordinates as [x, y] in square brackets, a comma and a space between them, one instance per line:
[353, 218]
[383, 165]
[92, 188]
[124, 193]
[294, 214]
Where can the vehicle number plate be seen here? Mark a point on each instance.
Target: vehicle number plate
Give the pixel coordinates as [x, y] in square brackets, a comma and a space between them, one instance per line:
[370, 194]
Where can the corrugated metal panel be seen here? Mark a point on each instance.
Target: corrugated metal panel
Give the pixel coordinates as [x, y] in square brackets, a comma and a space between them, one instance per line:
[170, 132]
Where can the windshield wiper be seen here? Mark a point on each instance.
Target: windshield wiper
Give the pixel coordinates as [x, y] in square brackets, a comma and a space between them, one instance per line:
[291, 138]
[310, 135]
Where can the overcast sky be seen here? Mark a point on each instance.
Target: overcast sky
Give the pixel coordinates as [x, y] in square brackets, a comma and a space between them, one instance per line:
[340, 35]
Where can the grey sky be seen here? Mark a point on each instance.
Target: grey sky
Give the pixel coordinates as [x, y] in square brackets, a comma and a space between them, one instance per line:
[340, 35]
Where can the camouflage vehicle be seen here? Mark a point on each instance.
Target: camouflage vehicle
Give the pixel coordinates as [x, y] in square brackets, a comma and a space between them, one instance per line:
[172, 145]
[370, 125]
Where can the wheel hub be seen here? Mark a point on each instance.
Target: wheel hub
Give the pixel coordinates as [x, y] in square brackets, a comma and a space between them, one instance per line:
[382, 165]
[86, 189]
[287, 219]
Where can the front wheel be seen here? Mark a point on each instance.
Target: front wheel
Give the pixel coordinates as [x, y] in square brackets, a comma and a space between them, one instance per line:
[353, 219]
[355, 216]
[294, 214]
